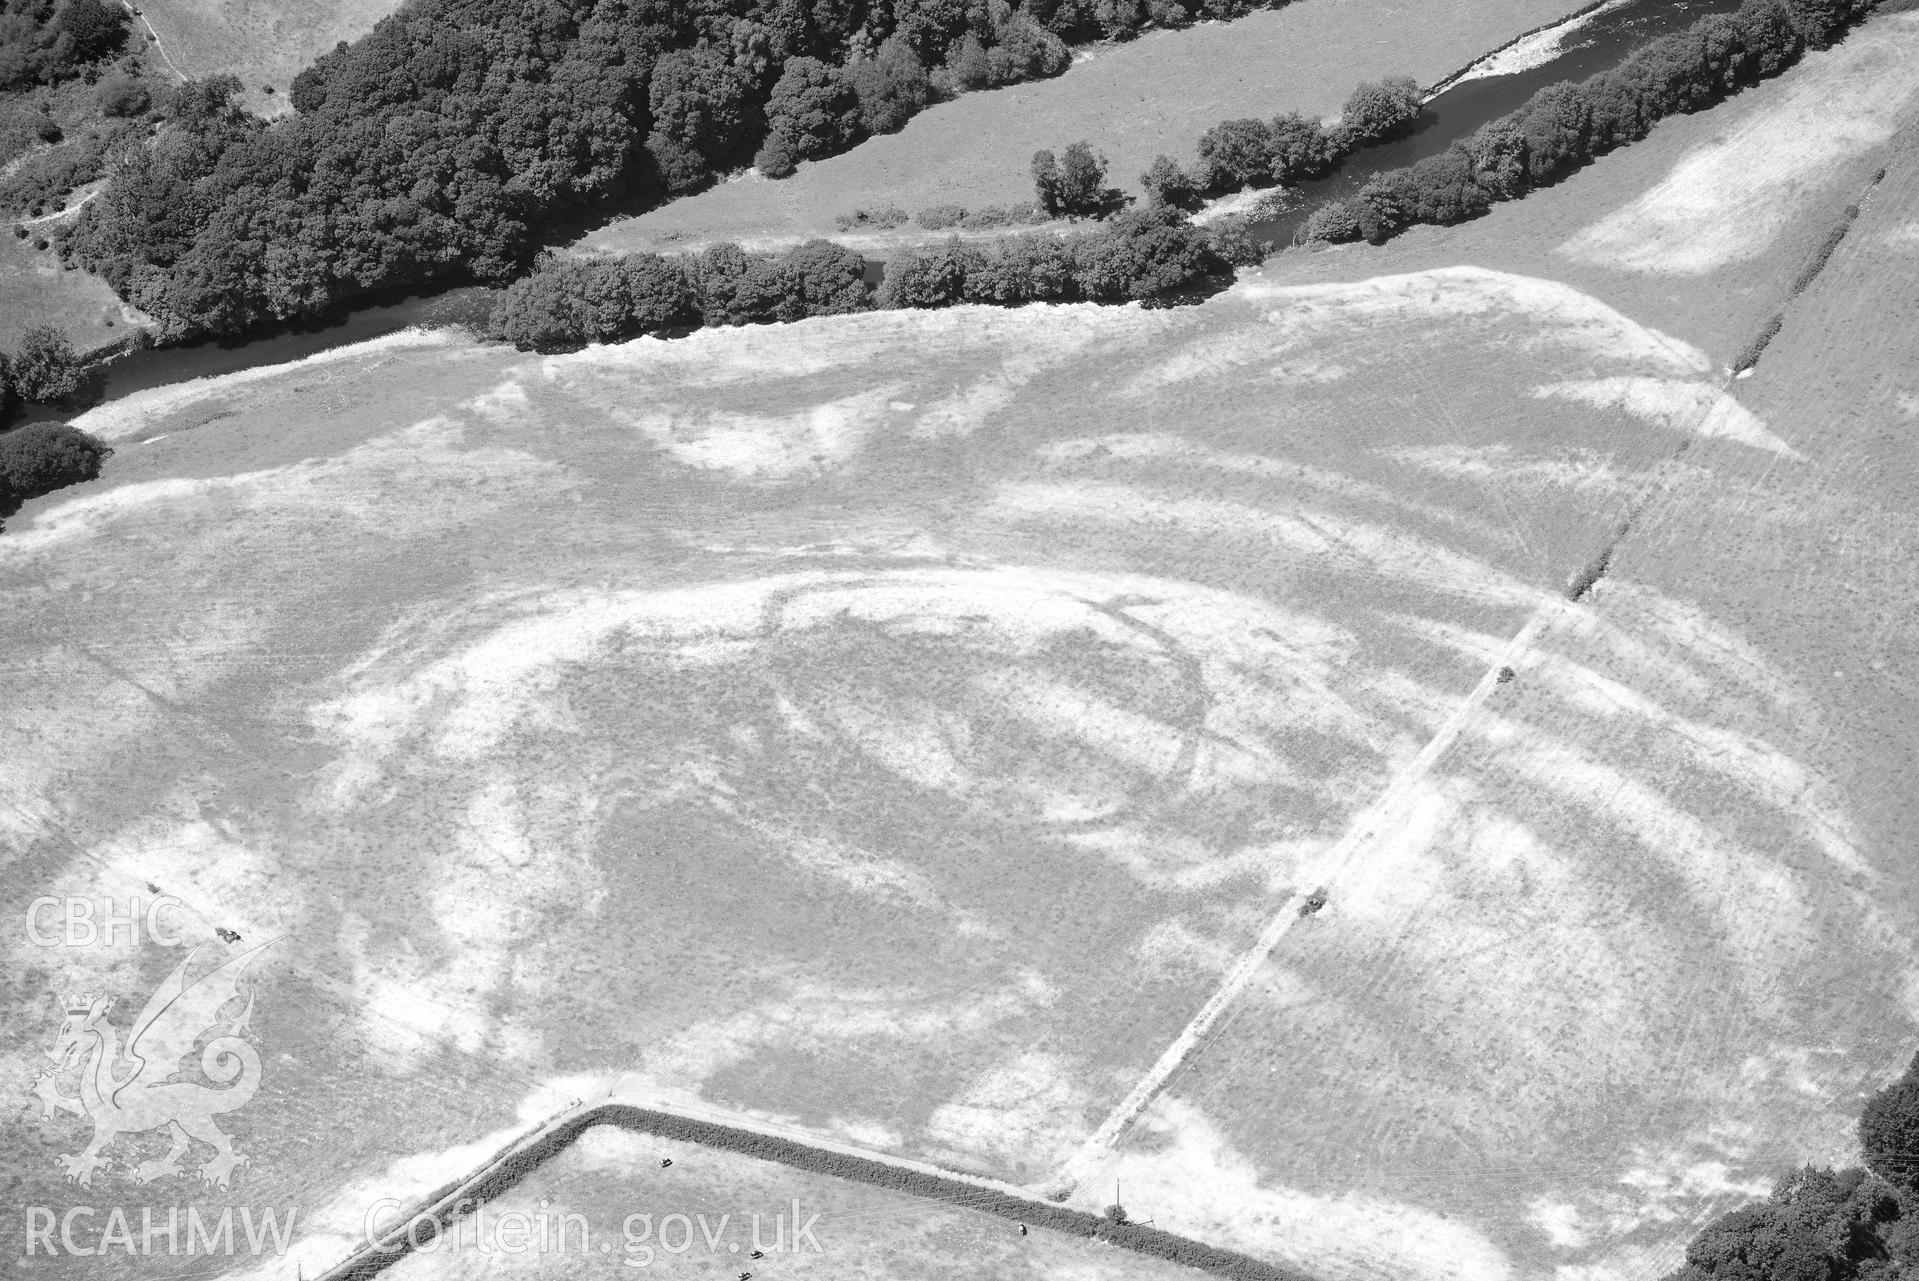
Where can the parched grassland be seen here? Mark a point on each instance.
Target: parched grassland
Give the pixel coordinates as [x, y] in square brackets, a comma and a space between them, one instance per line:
[854, 1232]
[892, 727]
[1700, 228]
[1132, 101]
[1741, 691]
[261, 43]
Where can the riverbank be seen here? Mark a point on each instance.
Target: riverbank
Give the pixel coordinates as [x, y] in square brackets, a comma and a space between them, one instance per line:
[1156, 94]
[1171, 58]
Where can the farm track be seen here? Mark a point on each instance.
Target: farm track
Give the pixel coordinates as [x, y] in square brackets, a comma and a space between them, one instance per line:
[158, 43]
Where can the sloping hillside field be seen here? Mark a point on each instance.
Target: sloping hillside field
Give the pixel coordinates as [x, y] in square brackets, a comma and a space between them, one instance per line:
[896, 730]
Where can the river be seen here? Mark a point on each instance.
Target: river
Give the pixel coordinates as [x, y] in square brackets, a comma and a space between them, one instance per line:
[1600, 39]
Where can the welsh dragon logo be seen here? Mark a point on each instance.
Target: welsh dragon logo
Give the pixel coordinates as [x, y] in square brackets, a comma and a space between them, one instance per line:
[130, 1089]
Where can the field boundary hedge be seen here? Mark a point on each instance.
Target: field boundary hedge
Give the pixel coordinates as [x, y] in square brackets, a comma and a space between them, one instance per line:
[1815, 264]
[1565, 126]
[442, 1208]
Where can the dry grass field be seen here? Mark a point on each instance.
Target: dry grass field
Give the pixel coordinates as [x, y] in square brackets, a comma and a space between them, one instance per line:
[1132, 101]
[862, 1234]
[891, 727]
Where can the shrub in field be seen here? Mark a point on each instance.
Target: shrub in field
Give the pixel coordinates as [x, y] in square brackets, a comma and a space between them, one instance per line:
[876, 219]
[1235, 154]
[1167, 183]
[42, 457]
[1335, 222]
[45, 368]
[1381, 111]
[122, 95]
[21, 130]
[1300, 149]
[1074, 184]
[940, 217]
[1232, 242]
[990, 217]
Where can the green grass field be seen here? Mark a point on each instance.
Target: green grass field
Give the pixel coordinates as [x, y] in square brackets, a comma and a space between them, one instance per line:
[36, 290]
[264, 44]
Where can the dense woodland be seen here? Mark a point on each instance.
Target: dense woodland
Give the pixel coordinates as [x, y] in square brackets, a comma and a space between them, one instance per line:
[43, 42]
[454, 138]
[1564, 126]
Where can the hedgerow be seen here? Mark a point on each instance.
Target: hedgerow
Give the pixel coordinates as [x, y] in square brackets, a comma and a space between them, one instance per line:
[1059, 1218]
[1139, 255]
[1565, 126]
